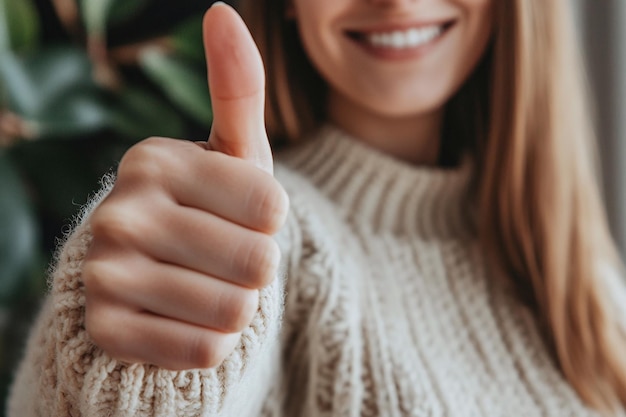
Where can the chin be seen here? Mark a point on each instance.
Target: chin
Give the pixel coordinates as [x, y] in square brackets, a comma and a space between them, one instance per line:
[395, 110]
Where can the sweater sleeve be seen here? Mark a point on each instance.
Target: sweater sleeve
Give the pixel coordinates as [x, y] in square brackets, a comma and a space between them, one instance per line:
[63, 373]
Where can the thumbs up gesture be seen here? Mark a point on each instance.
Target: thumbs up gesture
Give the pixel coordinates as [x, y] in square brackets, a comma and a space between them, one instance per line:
[182, 243]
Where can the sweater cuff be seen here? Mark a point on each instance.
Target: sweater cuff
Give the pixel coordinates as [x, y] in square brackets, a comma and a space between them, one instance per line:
[65, 374]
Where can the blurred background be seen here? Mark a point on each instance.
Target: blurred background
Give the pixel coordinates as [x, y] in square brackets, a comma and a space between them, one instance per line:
[82, 80]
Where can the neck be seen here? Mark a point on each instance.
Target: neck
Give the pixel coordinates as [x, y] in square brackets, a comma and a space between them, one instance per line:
[414, 139]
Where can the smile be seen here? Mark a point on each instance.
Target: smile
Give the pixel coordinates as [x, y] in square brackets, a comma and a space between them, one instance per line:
[411, 38]
[400, 41]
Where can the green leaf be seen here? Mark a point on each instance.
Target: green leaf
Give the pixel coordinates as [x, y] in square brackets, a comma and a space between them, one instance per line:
[76, 113]
[183, 83]
[60, 174]
[125, 9]
[187, 39]
[96, 13]
[36, 81]
[139, 114]
[19, 25]
[18, 232]
[53, 92]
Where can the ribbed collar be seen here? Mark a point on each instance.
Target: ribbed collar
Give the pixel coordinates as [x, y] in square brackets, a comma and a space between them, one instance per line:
[385, 194]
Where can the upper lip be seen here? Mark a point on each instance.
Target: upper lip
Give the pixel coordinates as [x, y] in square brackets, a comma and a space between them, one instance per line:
[399, 26]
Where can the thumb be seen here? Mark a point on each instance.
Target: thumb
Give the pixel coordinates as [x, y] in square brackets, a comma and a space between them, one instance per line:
[237, 86]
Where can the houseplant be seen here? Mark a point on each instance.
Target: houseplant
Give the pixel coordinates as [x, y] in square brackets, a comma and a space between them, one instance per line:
[80, 82]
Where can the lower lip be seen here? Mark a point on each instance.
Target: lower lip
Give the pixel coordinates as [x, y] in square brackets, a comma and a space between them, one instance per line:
[393, 54]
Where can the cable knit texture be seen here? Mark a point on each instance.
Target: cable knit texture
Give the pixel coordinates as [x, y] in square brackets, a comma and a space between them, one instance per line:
[390, 309]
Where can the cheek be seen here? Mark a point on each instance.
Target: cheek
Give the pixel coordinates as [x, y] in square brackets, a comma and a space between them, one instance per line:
[480, 29]
[480, 14]
[319, 35]
[475, 4]
[312, 21]
[443, 76]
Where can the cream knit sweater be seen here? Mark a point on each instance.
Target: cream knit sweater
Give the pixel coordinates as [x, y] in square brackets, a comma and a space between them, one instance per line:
[387, 307]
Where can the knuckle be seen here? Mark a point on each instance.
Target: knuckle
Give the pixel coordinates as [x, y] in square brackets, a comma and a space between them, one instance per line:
[98, 277]
[261, 261]
[205, 352]
[98, 325]
[102, 326]
[271, 206]
[117, 223]
[103, 219]
[240, 310]
[148, 159]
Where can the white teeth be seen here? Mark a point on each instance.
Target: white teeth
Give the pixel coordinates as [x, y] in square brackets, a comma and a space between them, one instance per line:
[410, 38]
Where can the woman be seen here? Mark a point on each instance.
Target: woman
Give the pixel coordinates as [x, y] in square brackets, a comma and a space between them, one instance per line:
[445, 253]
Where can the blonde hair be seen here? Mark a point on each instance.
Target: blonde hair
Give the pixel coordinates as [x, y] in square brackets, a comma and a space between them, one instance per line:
[523, 115]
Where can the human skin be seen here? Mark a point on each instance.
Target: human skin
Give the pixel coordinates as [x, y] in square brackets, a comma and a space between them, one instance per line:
[177, 258]
[393, 97]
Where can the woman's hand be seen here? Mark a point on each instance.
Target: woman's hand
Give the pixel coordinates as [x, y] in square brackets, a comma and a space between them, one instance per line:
[183, 243]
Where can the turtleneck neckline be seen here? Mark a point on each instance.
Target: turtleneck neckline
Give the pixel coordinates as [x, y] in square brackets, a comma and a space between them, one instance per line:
[384, 193]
